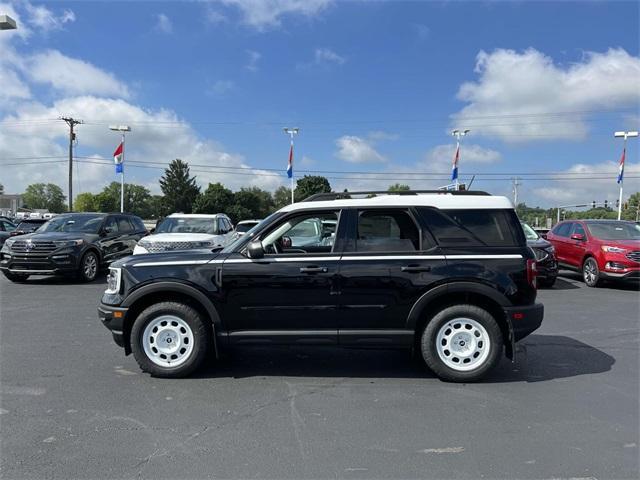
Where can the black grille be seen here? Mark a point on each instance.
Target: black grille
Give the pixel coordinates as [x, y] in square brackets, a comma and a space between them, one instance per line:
[25, 246]
[635, 256]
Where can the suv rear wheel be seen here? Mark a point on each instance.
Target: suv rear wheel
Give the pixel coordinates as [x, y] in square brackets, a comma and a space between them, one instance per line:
[590, 272]
[461, 343]
[170, 339]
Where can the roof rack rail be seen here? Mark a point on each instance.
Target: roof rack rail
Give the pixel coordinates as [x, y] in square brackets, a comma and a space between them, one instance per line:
[345, 195]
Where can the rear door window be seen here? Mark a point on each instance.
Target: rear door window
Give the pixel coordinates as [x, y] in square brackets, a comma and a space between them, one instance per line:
[386, 231]
[123, 225]
[462, 228]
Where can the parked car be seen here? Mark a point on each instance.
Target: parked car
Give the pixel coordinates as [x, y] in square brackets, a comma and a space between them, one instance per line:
[447, 274]
[599, 249]
[546, 262]
[72, 243]
[244, 226]
[181, 231]
[29, 226]
[6, 230]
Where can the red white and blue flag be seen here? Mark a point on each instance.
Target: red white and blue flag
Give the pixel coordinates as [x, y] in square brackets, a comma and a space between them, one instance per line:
[454, 168]
[621, 167]
[290, 165]
[118, 157]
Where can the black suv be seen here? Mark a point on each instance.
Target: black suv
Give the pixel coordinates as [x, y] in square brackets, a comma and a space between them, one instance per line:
[448, 274]
[73, 243]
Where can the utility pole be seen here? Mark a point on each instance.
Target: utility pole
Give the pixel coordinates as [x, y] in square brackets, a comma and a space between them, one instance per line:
[72, 122]
[291, 132]
[516, 184]
[624, 135]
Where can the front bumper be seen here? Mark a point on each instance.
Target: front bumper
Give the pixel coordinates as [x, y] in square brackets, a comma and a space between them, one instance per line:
[547, 269]
[113, 319]
[630, 276]
[525, 319]
[58, 262]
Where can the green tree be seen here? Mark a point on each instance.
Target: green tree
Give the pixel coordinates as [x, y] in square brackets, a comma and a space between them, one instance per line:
[158, 207]
[310, 185]
[398, 187]
[281, 197]
[180, 190]
[237, 212]
[137, 199]
[215, 199]
[86, 202]
[632, 204]
[41, 195]
[258, 202]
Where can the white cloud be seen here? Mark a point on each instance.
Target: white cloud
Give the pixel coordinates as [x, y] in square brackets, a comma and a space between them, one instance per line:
[265, 14]
[44, 19]
[71, 75]
[221, 87]
[354, 149]
[519, 89]
[163, 24]
[252, 62]
[562, 191]
[12, 86]
[325, 55]
[442, 155]
[379, 135]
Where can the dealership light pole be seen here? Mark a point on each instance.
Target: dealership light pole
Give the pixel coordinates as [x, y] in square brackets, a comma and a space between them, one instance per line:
[459, 134]
[122, 129]
[624, 135]
[7, 23]
[291, 132]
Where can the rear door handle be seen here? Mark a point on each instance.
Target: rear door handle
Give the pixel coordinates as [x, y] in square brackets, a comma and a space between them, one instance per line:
[415, 268]
[313, 270]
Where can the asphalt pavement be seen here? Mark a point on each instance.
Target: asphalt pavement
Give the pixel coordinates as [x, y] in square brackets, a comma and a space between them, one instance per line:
[73, 406]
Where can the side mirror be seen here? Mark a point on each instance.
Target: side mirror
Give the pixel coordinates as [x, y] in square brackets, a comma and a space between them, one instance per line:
[577, 236]
[286, 242]
[544, 235]
[152, 231]
[255, 250]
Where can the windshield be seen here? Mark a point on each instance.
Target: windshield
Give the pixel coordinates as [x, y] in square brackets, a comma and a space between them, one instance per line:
[245, 227]
[615, 231]
[188, 225]
[73, 223]
[529, 232]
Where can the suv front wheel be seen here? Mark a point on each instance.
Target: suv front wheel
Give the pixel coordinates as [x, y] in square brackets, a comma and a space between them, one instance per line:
[170, 339]
[591, 272]
[461, 343]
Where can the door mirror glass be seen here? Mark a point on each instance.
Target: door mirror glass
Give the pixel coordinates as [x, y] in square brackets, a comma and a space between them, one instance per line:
[577, 236]
[286, 242]
[255, 250]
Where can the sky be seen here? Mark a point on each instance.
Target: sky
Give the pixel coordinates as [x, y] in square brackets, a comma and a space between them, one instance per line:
[374, 86]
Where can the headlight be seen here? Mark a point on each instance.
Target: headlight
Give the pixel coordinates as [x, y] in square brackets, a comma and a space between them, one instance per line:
[144, 243]
[68, 243]
[610, 249]
[113, 280]
[206, 244]
[551, 249]
[8, 242]
[540, 254]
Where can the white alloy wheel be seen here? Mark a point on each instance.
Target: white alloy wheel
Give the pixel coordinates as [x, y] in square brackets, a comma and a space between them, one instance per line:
[168, 341]
[463, 344]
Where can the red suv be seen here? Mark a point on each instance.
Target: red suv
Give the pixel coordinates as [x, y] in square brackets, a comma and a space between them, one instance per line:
[600, 249]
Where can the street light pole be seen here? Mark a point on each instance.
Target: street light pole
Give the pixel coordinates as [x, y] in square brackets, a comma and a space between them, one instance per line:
[122, 129]
[291, 132]
[459, 134]
[624, 135]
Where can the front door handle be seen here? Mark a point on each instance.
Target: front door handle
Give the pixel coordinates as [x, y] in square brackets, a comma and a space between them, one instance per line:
[313, 270]
[415, 268]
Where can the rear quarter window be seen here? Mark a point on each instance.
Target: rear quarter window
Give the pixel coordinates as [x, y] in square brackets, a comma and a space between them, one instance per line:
[474, 228]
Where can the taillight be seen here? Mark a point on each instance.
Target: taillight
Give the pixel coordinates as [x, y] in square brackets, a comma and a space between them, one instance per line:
[532, 273]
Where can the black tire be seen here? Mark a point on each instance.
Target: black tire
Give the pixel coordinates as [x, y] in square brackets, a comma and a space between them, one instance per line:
[462, 313]
[547, 282]
[591, 272]
[16, 277]
[201, 339]
[89, 267]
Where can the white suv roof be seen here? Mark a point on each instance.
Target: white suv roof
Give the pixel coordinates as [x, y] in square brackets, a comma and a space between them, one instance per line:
[442, 200]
